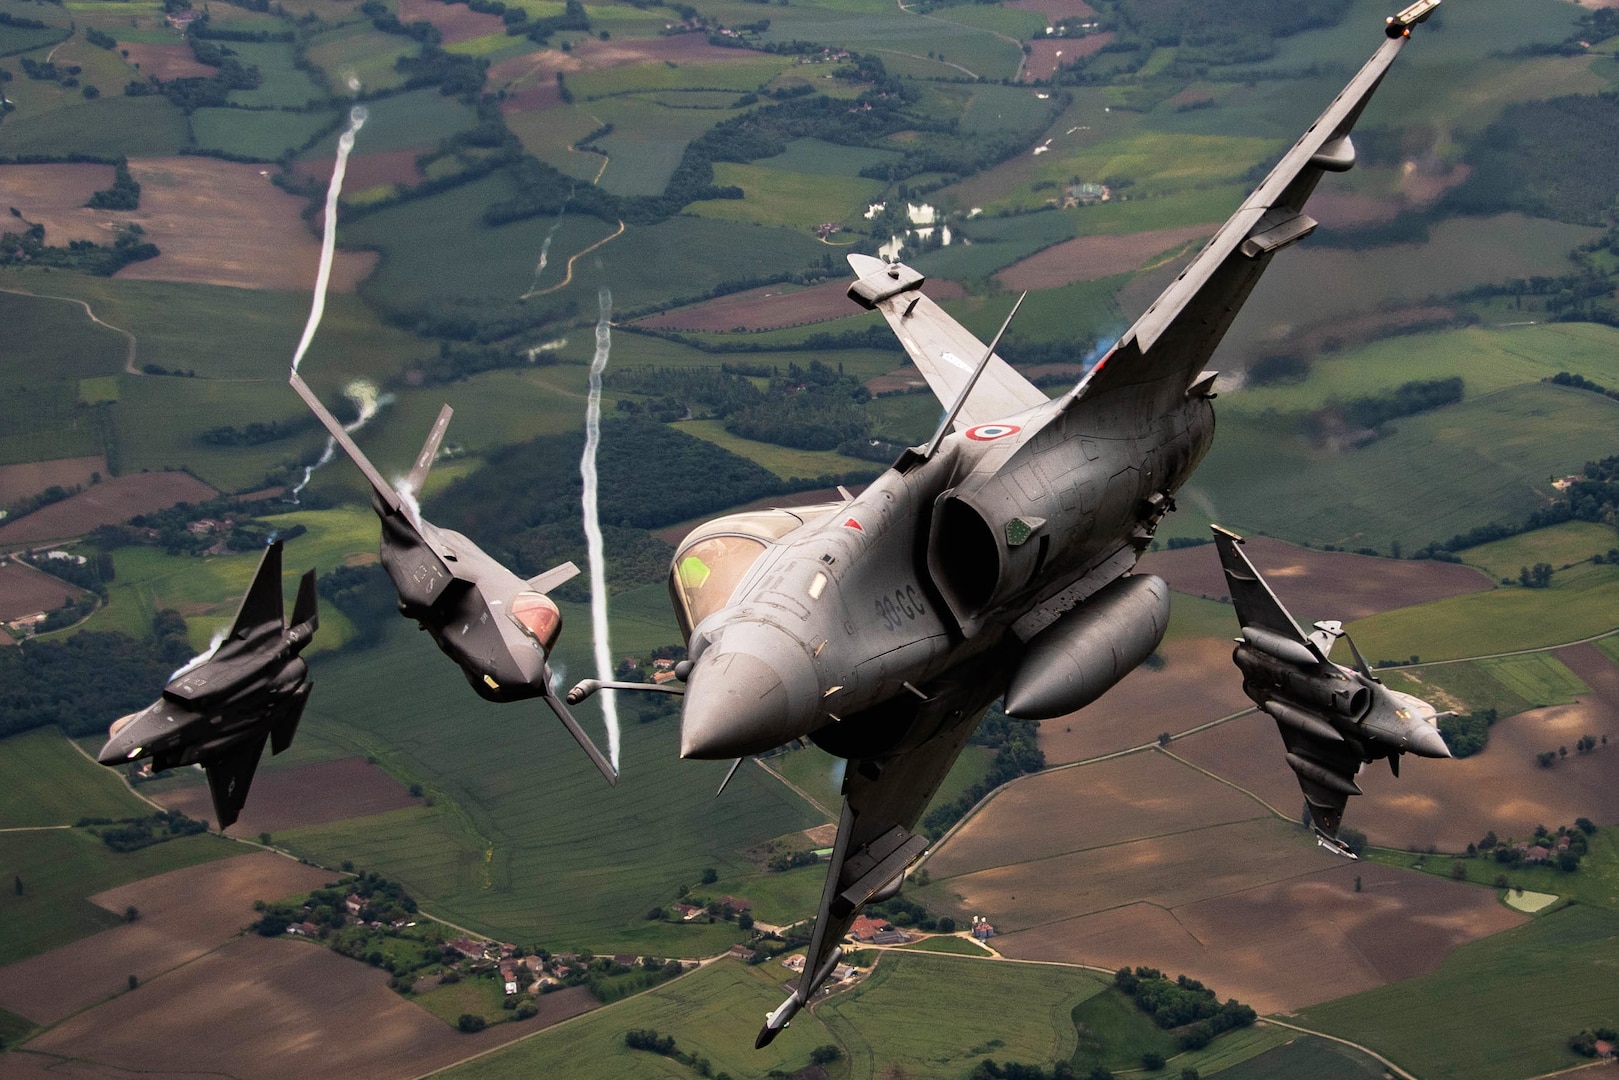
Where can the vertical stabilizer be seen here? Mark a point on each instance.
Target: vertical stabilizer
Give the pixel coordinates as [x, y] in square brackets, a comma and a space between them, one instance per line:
[306, 608]
[425, 459]
[262, 604]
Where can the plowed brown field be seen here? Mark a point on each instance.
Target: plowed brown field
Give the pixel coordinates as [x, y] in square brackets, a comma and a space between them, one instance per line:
[1319, 584]
[1197, 684]
[278, 1009]
[224, 223]
[165, 61]
[305, 795]
[30, 478]
[183, 914]
[54, 196]
[1089, 258]
[25, 590]
[107, 503]
[1046, 55]
[455, 22]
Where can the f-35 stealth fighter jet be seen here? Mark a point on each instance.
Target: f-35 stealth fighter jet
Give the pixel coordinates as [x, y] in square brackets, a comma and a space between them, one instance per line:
[219, 710]
[499, 628]
[1333, 719]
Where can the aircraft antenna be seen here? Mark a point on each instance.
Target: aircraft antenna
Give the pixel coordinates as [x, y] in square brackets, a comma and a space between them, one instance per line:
[961, 400]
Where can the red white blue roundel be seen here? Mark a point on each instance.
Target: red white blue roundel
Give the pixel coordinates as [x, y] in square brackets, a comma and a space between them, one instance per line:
[990, 432]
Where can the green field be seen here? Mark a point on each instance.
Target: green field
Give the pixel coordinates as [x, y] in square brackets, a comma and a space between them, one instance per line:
[1497, 1009]
[1580, 603]
[283, 86]
[790, 200]
[749, 72]
[44, 781]
[1561, 546]
[1470, 683]
[366, 54]
[1115, 1034]
[59, 868]
[415, 120]
[1595, 883]
[1540, 679]
[1485, 459]
[1304, 1056]
[56, 347]
[784, 461]
[929, 1014]
[524, 841]
[209, 589]
[133, 126]
[714, 1012]
[262, 134]
[479, 995]
[817, 158]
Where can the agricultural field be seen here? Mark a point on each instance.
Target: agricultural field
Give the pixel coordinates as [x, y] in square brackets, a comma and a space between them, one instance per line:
[1562, 961]
[44, 781]
[59, 868]
[182, 915]
[110, 502]
[306, 1012]
[311, 794]
[31, 478]
[25, 590]
[1318, 584]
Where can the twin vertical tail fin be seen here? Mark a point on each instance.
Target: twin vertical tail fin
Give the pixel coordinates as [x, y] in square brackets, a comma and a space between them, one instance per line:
[262, 606]
[425, 459]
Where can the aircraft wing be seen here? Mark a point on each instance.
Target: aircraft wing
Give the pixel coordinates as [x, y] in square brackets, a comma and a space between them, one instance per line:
[1181, 329]
[1256, 606]
[941, 348]
[229, 777]
[875, 846]
[1326, 774]
[384, 490]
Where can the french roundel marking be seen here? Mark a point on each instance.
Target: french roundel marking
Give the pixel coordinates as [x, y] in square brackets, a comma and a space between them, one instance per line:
[990, 432]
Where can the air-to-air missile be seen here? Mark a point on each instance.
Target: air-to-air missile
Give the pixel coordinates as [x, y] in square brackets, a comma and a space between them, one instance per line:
[1333, 719]
[996, 559]
[219, 710]
[499, 628]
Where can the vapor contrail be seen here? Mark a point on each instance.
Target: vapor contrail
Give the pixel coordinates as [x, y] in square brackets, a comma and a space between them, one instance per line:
[593, 528]
[328, 240]
[204, 656]
[545, 249]
[368, 402]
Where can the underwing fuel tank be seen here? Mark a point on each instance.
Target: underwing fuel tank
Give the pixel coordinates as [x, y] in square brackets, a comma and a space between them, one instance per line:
[1082, 655]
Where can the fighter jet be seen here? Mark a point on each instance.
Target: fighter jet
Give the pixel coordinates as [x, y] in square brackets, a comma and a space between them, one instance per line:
[219, 710]
[1333, 719]
[994, 560]
[499, 628]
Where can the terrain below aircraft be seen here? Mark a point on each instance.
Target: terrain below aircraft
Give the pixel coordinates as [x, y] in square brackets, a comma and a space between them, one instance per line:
[995, 560]
[219, 710]
[499, 628]
[1333, 719]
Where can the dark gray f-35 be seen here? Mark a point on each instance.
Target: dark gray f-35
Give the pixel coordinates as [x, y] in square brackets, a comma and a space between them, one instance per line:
[219, 710]
[993, 561]
[1333, 719]
[497, 627]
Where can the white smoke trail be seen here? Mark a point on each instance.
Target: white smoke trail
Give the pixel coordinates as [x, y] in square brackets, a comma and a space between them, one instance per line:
[367, 400]
[202, 657]
[545, 251]
[545, 347]
[328, 240]
[593, 528]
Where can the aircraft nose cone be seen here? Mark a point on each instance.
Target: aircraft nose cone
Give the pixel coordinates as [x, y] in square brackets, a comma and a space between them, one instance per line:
[1425, 741]
[748, 699]
[122, 740]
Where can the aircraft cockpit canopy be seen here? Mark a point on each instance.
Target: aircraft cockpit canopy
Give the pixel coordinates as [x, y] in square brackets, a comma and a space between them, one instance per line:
[539, 618]
[714, 558]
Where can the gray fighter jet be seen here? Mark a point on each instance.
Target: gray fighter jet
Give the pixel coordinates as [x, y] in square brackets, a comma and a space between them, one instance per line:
[1333, 719]
[995, 560]
[499, 628]
[219, 710]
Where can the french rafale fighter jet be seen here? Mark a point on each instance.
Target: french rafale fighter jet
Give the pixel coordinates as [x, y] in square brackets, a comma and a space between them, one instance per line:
[1333, 719]
[219, 710]
[499, 628]
[995, 560]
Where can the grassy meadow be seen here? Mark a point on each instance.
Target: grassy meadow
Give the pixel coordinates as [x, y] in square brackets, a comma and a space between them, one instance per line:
[1563, 963]
[44, 781]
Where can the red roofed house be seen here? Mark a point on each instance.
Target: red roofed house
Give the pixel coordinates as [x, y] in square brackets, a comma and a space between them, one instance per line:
[866, 928]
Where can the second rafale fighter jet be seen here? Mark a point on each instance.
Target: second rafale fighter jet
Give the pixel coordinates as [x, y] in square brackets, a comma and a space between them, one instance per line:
[219, 710]
[995, 560]
[1333, 719]
[499, 628]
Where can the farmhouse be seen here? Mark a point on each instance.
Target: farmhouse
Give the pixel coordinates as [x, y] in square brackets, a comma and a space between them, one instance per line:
[867, 928]
[472, 950]
[509, 972]
[743, 953]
